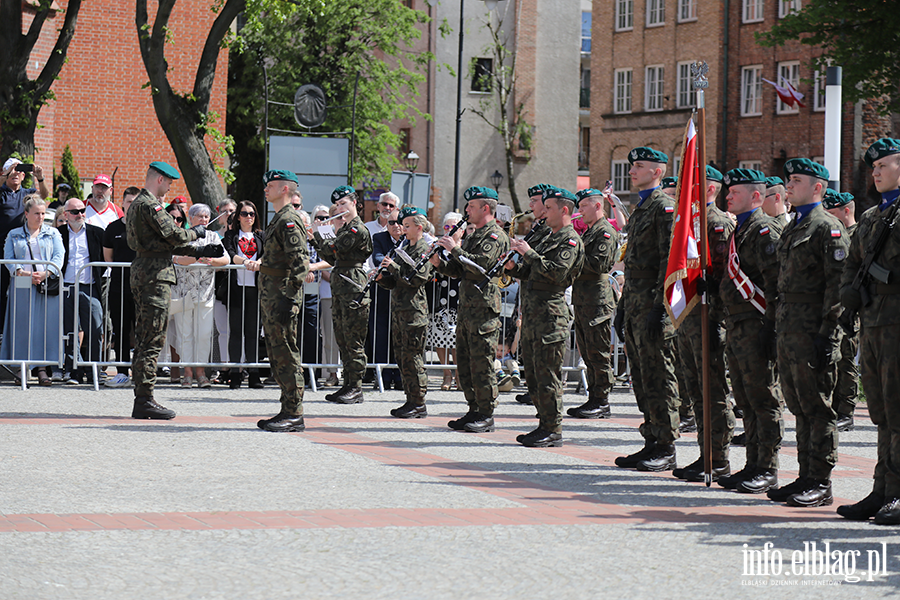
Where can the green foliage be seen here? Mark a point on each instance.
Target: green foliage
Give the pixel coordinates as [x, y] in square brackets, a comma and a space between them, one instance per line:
[327, 44]
[69, 174]
[861, 36]
[224, 143]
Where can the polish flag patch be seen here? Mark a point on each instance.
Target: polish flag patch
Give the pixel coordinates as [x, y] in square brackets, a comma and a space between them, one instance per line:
[606, 235]
[572, 242]
[158, 207]
[719, 229]
[290, 225]
[835, 233]
[670, 209]
[494, 236]
[764, 231]
[354, 229]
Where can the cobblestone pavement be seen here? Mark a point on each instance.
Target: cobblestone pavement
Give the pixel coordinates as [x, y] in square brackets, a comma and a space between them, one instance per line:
[96, 505]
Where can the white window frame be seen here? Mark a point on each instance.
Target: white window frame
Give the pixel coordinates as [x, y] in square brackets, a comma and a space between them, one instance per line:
[654, 87]
[752, 11]
[676, 166]
[656, 13]
[686, 95]
[790, 71]
[624, 179]
[624, 15]
[786, 7]
[751, 94]
[689, 8]
[756, 165]
[588, 37]
[819, 92]
[623, 91]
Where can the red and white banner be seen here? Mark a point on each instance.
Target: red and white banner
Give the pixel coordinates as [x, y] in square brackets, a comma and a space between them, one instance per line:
[789, 95]
[749, 291]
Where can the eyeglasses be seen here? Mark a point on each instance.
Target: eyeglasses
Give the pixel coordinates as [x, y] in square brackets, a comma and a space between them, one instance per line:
[387, 204]
[179, 220]
[296, 205]
[769, 195]
[76, 211]
[448, 227]
[393, 221]
[247, 213]
[321, 218]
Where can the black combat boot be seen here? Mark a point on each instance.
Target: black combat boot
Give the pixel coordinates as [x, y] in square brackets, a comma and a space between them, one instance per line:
[281, 423]
[524, 398]
[350, 395]
[145, 407]
[795, 487]
[730, 482]
[630, 461]
[762, 481]
[410, 410]
[661, 459]
[688, 424]
[480, 423]
[863, 510]
[844, 422]
[720, 469]
[817, 493]
[459, 423]
[594, 408]
[540, 438]
[889, 514]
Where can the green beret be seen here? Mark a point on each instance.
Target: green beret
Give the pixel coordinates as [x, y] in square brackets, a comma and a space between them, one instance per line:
[804, 166]
[834, 199]
[847, 197]
[341, 191]
[555, 192]
[587, 193]
[409, 211]
[880, 149]
[537, 190]
[713, 174]
[165, 169]
[476, 191]
[279, 175]
[773, 181]
[668, 182]
[648, 154]
[743, 176]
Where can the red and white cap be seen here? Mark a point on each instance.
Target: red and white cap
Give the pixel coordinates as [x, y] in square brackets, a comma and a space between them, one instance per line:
[104, 179]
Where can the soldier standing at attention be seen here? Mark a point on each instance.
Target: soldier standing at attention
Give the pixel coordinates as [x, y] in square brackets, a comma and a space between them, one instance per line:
[811, 255]
[478, 323]
[880, 321]
[546, 270]
[153, 234]
[593, 300]
[749, 295]
[409, 313]
[347, 252]
[773, 205]
[643, 322]
[690, 342]
[285, 264]
[846, 388]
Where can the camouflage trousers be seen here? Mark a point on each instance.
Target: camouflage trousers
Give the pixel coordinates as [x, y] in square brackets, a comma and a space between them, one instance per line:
[476, 347]
[757, 392]
[653, 380]
[151, 318]
[351, 325]
[282, 348]
[846, 389]
[545, 336]
[593, 332]
[685, 400]
[409, 348]
[807, 394]
[690, 345]
[880, 366]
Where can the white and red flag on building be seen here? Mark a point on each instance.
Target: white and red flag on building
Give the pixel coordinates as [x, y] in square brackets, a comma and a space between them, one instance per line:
[788, 93]
[680, 287]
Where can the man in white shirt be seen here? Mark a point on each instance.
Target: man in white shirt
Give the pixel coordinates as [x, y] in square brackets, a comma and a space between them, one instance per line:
[388, 202]
[101, 211]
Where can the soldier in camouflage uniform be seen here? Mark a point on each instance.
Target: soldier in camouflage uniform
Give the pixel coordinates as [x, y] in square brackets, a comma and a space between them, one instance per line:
[409, 312]
[642, 321]
[285, 264]
[846, 389]
[593, 301]
[347, 252]
[748, 293]
[546, 270]
[155, 236]
[811, 256]
[690, 343]
[879, 335]
[478, 321]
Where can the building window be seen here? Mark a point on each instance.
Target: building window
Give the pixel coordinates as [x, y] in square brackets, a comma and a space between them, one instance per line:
[622, 86]
[756, 165]
[584, 149]
[687, 10]
[786, 7]
[482, 69]
[621, 180]
[676, 165]
[656, 13]
[584, 99]
[751, 91]
[586, 32]
[653, 88]
[753, 11]
[819, 91]
[788, 72]
[687, 96]
[624, 15]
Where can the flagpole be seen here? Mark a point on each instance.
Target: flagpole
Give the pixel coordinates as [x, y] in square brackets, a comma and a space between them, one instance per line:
[699, 70]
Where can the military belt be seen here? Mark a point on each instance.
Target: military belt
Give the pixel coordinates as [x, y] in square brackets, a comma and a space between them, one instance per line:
[154, 255]
[739, 309]
[801, 298]
[885, 289]
[273, 272]
[540, 286]
[348, 264]
[641, 274]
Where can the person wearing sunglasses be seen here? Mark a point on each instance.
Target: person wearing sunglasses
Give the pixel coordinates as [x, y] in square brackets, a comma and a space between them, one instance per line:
[244, 242]
[388, 202]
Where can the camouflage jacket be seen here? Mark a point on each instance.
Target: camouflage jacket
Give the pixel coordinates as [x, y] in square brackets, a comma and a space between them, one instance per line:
[811, 256]
[592, 288]
[286, 250]
[484, 247]
[647, 254]
[351, 246]
[885, 307]
[718, 231]
[756, 243]
[408, 297]
[154, 235]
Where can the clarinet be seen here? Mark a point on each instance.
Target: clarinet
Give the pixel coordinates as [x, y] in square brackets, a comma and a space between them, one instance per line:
[498, 266]
[435, 247]
[381, 270]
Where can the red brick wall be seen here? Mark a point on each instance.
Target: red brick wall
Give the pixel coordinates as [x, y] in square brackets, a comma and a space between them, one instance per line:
[100, 109]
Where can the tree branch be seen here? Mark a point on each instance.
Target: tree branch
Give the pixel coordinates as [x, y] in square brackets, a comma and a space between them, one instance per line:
[58, 55]
[206, 69]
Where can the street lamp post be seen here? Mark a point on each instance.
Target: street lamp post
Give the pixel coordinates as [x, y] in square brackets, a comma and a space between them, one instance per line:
[412, 162]
[497, 180]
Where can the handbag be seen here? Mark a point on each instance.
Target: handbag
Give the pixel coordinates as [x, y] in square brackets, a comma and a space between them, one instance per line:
[50, 285]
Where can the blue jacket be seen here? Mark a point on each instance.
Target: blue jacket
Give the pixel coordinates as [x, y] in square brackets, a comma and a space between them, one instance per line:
[49, 240]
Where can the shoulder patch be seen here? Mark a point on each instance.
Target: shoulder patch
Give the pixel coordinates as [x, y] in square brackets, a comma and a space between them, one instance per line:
[572, 242]
[764, 231]
[606, 235]
[670, 209]
[840, 254]
[158, 207]
[719, 229]
[836, 233]
[354, 230]
[770, 249]
[289, 225]
[494, 236]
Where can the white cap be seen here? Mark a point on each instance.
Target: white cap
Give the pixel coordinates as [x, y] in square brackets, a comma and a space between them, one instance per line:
[10, 163]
